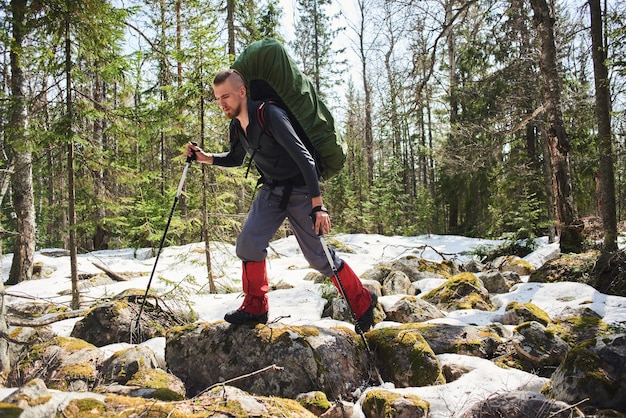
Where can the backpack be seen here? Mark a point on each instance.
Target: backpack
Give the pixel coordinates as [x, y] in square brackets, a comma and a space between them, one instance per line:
[272, 76]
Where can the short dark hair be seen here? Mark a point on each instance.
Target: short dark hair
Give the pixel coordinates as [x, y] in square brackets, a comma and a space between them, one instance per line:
[224, 75]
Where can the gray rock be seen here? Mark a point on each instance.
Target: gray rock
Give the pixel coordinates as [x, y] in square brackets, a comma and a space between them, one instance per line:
[594, 370]
[411, 309]
[396, 283]
[534, 344]
[306, 358]
[494, 282]
[520, 404]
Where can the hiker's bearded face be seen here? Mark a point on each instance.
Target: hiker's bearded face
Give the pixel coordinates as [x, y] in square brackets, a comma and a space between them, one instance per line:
[231, 98]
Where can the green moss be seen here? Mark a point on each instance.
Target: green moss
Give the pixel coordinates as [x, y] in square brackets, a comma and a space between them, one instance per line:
[379, 402]
[446, 268]
[317, 403]
[71, 344]
[463, 291]
[529, 312]
[8, 410]
[285, 334]
[39, 400]
[151, 378]
[581, 361]
[519, 262]
[167, 395]
[83, 370]
[578, 328]
[87, 408]
[394, 344]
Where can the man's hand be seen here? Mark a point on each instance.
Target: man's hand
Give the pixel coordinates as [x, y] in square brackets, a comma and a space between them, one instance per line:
[321, 221]
[319, 216]
[194, 152]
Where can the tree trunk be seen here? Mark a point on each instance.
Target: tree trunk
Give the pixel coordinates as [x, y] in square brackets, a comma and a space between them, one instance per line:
[230, 23]
[453, 213]
[71, 200]
[101, 234]
[606, 191]
[23, 196]
[205, 191]
[568, 227]
[368, 138]
[5, 361]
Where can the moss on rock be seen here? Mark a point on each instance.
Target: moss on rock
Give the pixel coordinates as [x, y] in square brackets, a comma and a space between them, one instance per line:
[462, 291]
[405, 357]
[524, 312]
[383, 403]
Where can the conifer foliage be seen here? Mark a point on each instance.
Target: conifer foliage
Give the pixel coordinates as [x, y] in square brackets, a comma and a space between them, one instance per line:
[443, 107]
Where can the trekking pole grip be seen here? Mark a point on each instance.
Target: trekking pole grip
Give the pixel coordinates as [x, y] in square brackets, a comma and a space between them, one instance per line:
[192, 157]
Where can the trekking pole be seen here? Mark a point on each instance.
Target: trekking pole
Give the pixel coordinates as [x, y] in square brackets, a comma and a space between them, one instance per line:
[136, 331]
[356, 323]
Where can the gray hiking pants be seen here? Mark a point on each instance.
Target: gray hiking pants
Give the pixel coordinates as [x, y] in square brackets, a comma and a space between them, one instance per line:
[266, 217]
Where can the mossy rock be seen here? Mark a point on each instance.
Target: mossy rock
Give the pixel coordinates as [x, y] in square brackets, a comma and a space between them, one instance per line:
[594, 371]
[168, 386]
[405, 358]
[85, 408]
[579, 328]
[520, 266]
[483, 342]
[516, 313]
[462, 291]
[609, 274]
[64, 363]
[332, 360]
[567, 268]
[383, 403]
[315, 401]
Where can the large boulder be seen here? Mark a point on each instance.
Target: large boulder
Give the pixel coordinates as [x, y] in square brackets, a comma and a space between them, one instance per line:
[568, 267]
[471, 340]
[115, 321]
[63, 363]
[135, 372]
[305, 358]
[404, 357]
[594, 370]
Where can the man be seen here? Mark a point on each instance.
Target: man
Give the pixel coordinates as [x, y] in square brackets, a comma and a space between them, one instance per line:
[290, 190]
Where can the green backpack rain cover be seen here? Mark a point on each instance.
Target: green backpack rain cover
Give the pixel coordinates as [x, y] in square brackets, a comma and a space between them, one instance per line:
[272, 75]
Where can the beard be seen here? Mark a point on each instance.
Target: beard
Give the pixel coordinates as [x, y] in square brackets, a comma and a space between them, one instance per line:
[232, 112]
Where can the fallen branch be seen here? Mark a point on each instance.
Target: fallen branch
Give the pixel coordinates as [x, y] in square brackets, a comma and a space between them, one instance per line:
[111, 274]
[42, 322]
[245, 376]
[568, 408]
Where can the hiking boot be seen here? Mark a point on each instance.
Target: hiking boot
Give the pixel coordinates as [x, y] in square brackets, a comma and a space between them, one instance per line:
[240, 317]
[366, 321]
